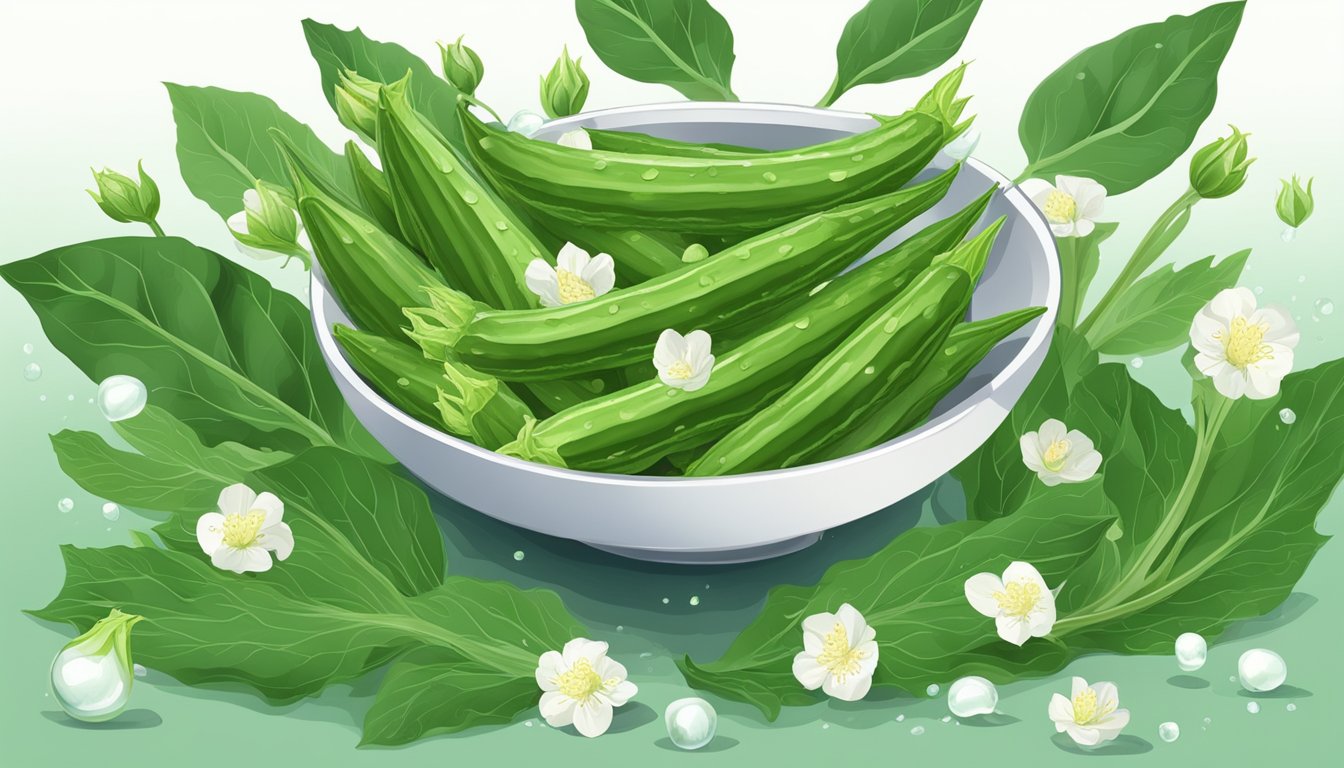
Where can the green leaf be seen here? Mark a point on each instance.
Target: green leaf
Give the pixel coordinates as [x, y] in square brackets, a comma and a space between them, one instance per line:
[223, 147]
[1079, 258]
[685, 44]
[173, 472]
[1123, 110]
[912, 593]
[428, 691]
[894, 39]
[217, 347]
[1154, 315]
[336, 49]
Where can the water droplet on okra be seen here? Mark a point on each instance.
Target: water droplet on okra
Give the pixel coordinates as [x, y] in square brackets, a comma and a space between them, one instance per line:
[769, 177]
[802, 323]
[469, 197]
[649, 174]
[599, 164]
[837, 175]
[785, 249]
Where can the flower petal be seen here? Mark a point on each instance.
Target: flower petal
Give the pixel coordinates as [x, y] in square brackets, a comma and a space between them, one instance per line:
[853, 622]
[1230, 382]
[592, 718]
[608, 668]
[1082, 468]
[1079, 685]
[808, 672]
[853, 688]
[253, 559]
[278, 538]
[1282, 329]
[583, 648]
[1013, 629]
[557, 709]
[1037, 190]
[1025, 573]
[550, 665]
[236, 499]
[1107, 695]
[1063, 229]
[622, 693]
[1087, 737]
[1061, 709]
[274, 508]
[542, 280]
[670, 349]
[697, 348]
[1083, 227]
[600, 274]
[1111, 725]
[700, 378]
[572, 259]
[980, 590]
[210, 532]
[1031, 452]
[1052, 430]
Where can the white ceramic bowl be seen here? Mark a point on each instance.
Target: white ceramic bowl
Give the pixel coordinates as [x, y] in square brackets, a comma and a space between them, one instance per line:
[765, 514]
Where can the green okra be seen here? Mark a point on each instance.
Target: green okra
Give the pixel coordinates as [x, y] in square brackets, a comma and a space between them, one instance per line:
[635, 143]
[296, 160]
[445, 396]
[880, 357]
[709, 195]
[639, 256]
[621, 327]
[459, 223]
[374, 194]
[964, 348]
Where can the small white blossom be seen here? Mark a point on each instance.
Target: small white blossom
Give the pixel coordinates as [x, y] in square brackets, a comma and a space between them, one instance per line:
[576, 139]
[1090, 715]
[1245, 350]
[1071, 205]
[683, 361]
[581, 686]
[839, 654]
[576, 277]
[1020, 603]
[247, 528]
[1059, 455]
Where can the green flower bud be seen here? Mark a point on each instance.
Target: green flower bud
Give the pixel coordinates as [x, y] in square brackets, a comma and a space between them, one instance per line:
[461, 67]
[267, 226]
[122, 199]
[92, 675]
[357, 103]
[565, 87]
[1219, 169]
[1295, 204]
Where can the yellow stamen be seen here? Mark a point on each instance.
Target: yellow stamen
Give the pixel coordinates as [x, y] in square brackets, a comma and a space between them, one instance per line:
[1060, 208]
[1243, 344]
[1055, 455]
[240, 531]
[580, 682]
[572, 287]
[679, 370]
[1085, 710]
[1018, 598]
[836, 655]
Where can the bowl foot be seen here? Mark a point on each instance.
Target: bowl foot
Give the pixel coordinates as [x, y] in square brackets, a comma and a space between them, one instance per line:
[715, 556]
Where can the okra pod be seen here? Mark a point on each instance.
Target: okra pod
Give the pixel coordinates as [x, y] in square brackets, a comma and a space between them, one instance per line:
[374, 194]
[635, 143]
[621, 327]
[965, 347]
[880, 357]
[710, 195]
[639, 256]
[460, 224]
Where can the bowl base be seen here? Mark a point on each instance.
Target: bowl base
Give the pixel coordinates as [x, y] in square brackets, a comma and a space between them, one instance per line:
[715, 556]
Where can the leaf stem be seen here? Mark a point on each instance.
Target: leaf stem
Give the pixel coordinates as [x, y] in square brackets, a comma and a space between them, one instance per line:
[155, 228]
[1069, 301]
[832, 93]
[1159, 237]
[475, 102]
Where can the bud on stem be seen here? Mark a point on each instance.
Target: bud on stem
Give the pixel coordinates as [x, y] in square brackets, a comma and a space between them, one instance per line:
[122, 199]
[1295, 202]
[565, 88]
[1219, 169]
[461, 67]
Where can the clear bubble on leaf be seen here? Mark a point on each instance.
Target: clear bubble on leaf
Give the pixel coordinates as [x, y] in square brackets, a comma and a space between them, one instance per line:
[121, 397]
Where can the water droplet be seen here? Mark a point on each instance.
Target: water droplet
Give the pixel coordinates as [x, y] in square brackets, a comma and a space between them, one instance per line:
[649, 174]
[933, 689]
[89, 687]
[691, 723]
[1253, 707]
[1169, 732]
[706, 280]
[626, 415]
[501, 225]
[695, 600]
[599, 164]
[1191, 651]
[1261, 670]
[1208, 720]
[769, 177]
[785, 249]
[348, 240]
[27, 349]
[837, 175]
[402, 381]
[1081, 76]
[613, 309]
[870, 370]
[666, 601]
[139, 670]
[526, 122]
[1137, 362]
[66, 504]
[918, 730]
[961, 147]
[620, 628]
[1289, 234]
[802, 323]
[519, 555]
[121, 397]
[1325, 307]
[712, 171]
[445, 166]
[111, 511]
[469, 197]
[971, 696]
[825, 726]
[32, 371]
[587, 425]
[1291, 707]
[900, 718]
[1287, 415]
[42, 398]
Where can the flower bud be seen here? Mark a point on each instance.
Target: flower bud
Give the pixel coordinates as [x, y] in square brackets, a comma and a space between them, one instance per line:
[1219, 169]
[268, 226]
[124, 200]
[357, 103]
[1295, 203]
[92, 675]
[461, 66]
[565, 87]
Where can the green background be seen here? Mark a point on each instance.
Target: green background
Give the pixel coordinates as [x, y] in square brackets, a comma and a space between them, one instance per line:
[83, 90]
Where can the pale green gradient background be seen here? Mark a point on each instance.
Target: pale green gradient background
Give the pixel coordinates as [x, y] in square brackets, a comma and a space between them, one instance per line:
[81, 89]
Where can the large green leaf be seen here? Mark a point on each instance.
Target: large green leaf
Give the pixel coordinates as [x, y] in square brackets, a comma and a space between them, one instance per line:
[1123, 110]
[336, 49]
[223, 147]
[218, 347]
[912, 593]
[1154, 315]
[894, 39]
[685, 44]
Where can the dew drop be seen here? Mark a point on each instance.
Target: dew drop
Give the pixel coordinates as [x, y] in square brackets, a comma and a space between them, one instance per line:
[1136, 362]
[933, 689]
[1325, 307]
[837, 175]
[918, 730]
[858, 158]
[27, 349]
[501, 225]
[649, 174]
[785, 249]
[802, 323]
[526, 122]
[587, 425]
[1169, 732]
[769, 177]
[1081, 76]
[90, 687]
[121, 397]
[626, 415]
[469, 197]
[1158, 46]
[1288, 235]
[139, 670]
[66, 504]
[690, 722]
[1253, 707]
[1261, 670]
[1192, 650]
[712, 171]
[971, 696]
[900, 718]
[870, 370]
[666, 601]
[1291, 707]
[32, 371]
[706, 280]
[402, 381]
[519, 555]
[695, 600]
[348, 240]
[613, 309]
[1287, 415]
[111, 511]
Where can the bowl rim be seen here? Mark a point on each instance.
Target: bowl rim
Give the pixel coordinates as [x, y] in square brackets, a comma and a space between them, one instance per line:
[1041, 332]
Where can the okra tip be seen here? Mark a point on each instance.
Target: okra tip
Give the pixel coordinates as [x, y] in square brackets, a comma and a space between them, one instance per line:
[529, 447]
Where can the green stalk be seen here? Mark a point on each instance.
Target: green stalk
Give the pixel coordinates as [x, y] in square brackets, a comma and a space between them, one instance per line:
[1160, 236]
[832, 93]
[1070, 299]
[155, 228]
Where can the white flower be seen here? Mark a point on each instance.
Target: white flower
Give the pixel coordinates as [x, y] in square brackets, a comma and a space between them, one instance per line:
[576, 277]
[839, 654]
[577, 139]
[683, 361]
[1020, 603]
[1059, 455]
[237, 224]
[245, 530]
[1090, 716]
[1071, 205]
[581, 685]
[1246, 351]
